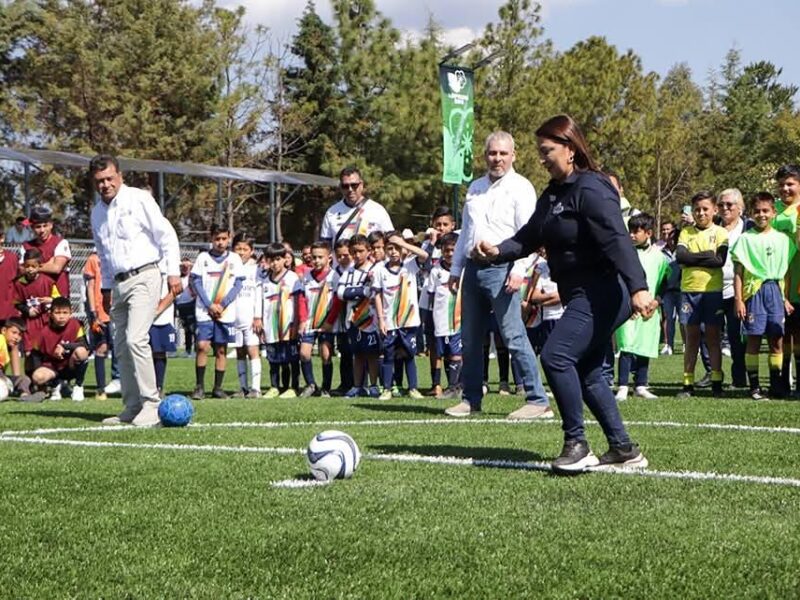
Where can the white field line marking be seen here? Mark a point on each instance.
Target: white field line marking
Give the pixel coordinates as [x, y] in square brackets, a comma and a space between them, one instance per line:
[417, 458]
[389, 422]
[299, 483]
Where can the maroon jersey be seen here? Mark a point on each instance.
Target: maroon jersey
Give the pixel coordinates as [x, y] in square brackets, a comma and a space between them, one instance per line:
[48, 250]
[9, 269]
[24, 293]
[50, 337]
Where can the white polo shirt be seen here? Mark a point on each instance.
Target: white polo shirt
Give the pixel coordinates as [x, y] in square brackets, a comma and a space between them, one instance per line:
[369, 216]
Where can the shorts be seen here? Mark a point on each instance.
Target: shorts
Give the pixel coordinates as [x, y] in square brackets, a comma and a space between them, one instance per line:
[364, 342]
[765, 311]
[245, 337]
[322, 337]
[405, 338]
[162, 338]
[213, 331]
[426, 317]
[448, 346]
[64, 374]
[701, 308]
[281, 353]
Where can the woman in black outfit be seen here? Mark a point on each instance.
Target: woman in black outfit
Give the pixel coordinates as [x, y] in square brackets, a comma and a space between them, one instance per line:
[601, 284]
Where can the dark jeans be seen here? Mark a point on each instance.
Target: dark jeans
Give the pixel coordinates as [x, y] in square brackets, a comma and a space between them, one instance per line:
[573, 358]
[633, 362]
[733, 327]
[670, 304]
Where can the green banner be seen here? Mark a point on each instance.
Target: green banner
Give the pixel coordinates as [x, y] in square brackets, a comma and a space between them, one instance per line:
[458, 124]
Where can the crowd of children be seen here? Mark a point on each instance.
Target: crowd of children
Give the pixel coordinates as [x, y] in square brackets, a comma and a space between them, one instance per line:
[376, 300]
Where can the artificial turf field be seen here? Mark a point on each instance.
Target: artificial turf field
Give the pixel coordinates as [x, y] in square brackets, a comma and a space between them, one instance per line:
[439, 508]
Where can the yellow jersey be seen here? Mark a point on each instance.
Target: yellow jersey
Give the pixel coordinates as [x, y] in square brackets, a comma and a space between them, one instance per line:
[702, 279]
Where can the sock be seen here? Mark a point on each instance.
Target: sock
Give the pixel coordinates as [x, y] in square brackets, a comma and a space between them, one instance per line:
[218, 377]
[274, 375]
[398, 372]
[255, 374]
[387, 373]
[436, 376]
[308, 372]
[80, 372]
[100, 372]
[751, 365]
[285, 376]
[486, 364]
[453, 373]
[503, 364]
[327, 376]
[294, 366]
[716, 376]
[241, 369]
[411, 372]
[200, 376]
[785, 368]
[775, 363]
[688, 379]
[160, 366]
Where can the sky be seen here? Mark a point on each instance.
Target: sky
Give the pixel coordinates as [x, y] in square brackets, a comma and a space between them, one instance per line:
[662, 32]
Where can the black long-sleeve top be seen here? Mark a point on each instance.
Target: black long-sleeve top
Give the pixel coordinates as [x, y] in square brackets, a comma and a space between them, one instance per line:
[579, 223]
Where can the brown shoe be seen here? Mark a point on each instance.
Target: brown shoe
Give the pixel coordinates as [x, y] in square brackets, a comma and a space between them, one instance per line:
[529, 412]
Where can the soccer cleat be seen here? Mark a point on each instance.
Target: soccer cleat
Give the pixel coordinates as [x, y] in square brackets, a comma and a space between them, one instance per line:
[705, 381]
[462, 409]
[385, 395]
[77, 394]
[309, 391]
[219, 393]
[253, 394]
[504, 389]
[758, 394]
[415, 394]
[55, 393]
[324, 394]
[628, 456]
[396, 393]
[148, 416]
[622, 393]
[33, 397]
[100, 396]
[531, 412]
[575, 457]
[666, 350]
[288, 394]
[374, 392]
[641, 391]
[354, 392]
[272, 393]
[114, 387]
[686, 392]
[199, 393]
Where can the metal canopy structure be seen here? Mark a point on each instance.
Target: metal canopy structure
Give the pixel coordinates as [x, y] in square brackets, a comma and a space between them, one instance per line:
[30, 156]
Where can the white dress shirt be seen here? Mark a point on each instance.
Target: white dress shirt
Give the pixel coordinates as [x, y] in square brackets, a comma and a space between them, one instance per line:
[493, 212]
[130, 232]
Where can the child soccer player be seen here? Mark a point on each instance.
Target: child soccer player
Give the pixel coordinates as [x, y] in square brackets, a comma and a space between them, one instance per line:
[9, 269]
[701, 252]
[278, 311]
[442, 223]
[10, 336]
[377, 247]
[246, 339]
[446, 308]
[397, 310]
[319, 289]
[162, 332]
[544, 303]
[761, 258]
[637, 339]
[61, 352]
[355, 288]
[33, 293]
[99, 325]
[216, 280]
[184, 304]
[336, 318]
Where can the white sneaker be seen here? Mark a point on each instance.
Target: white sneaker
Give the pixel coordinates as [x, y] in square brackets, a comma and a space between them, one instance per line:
[666, 350]
[77, 393]
[55, 394]
[148, 416]
[113, 387]
[641, 391]
[530, 412]
[622, 393]
[462, 409]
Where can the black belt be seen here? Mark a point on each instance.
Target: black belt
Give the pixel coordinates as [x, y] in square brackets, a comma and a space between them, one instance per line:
[120, 277]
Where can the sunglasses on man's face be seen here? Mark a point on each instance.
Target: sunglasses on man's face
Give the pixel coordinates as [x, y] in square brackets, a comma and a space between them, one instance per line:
[350, 186]
[726, 205]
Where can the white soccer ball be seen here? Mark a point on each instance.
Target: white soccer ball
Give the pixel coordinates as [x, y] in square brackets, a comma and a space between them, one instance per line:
[5, 388]
[332, 455]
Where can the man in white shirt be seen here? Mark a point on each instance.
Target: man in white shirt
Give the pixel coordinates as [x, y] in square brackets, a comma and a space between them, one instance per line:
[497, 206]
[354, 213]
[132, 237]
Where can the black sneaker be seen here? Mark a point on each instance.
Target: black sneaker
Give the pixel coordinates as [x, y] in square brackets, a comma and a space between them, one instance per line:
[219, 393]
[628, 456]
[575, 457]
[199, 393]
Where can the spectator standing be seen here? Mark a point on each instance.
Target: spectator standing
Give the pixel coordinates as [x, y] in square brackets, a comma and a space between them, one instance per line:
[19, 232]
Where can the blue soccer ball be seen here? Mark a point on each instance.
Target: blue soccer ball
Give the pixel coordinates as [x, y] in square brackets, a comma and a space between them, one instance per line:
[175, 410]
